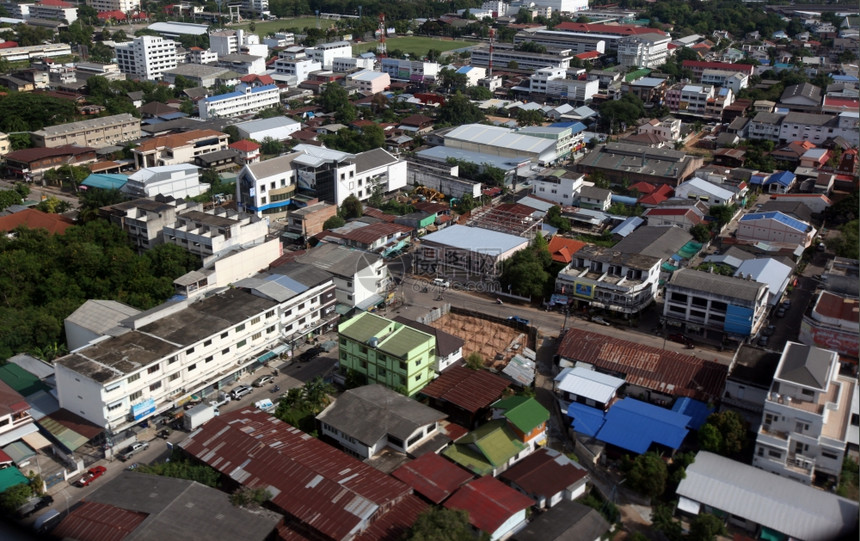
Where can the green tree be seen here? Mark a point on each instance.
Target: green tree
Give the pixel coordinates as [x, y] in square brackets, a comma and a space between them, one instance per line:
[335, 99]
[441, 524]
[527, 272]
[459, 110]
[617, 115]
[701, 233]
[53, 205]
[847, 244]
[475, 361]
[722, 213]
[706, 527]
[663, 520]
[531, 117]
[334, 222]
[513, 65]
[233, 132]
[14, 497]
[9, 198]
[373, 137]
[647, 474]
[554, 218]
[724, 433]
[351, 208]
[479, 93]
[452, 81]
[271, 147]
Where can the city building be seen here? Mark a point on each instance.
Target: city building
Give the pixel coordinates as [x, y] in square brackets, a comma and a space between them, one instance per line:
[125, 6]
[164, 356]
[146, 57]
[669, 128]
[144, 219]
[505, 56]
[178, 181]
[707, 304]
[621, 162]
[93, 320]
[365, 420]
[31, 163]
[267, 187]
[473, 74]
[200, 74]
[817, 128]
[548, 478]
[245, 99]
[568, 139]
[698, 68]
[707, 192]
[197, 55]
[278, 128]
[243, 64]
[214, 232]
[767, 270]
[387, 352]
[308, 221]
[54, 10]
[97, 132]
[605, 278]
[294, 69]
[735, 80]
[576, 43]
[775, 228]
[643, 50]
[14, 410]
[559, 189]
[179, 148]
[369, 81]
[410, 70]
[327, 52]
[503, 142]
[468, 252]
[765, 126]
[833, 323]
[689, 99]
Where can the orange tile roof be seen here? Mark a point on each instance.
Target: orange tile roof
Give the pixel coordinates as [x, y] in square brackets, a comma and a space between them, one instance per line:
[178, 139]
[245, 146]
[36, 219]
[563, 248]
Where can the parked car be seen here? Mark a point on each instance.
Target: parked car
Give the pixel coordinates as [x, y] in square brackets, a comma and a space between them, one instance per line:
[762, 341]
[32, 506]
[769, 330]
[310, 354]
[439, 282]
[262, 380]
[91, 475]
[599, 320]
[680, 338]
[786, 304]
[518, 319]
[239, 392]
[133, 449]
[780, 312]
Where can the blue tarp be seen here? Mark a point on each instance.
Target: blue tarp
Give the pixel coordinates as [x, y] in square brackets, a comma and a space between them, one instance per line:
[696, 410]
[634, 425]
[586, 420]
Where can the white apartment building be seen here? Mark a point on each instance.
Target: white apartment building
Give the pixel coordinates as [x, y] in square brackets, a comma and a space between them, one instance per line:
[144, 219]
[257, 8]
[297, 68]
[125, 6]
[765, 126]
[691, 99]
[706, 304]
[504, 54]
[736, 80]
[30, 52]
[245, 64]
[201, 56]
[643, 50]
[56, 10]
[539, 80]
[818, 128]
[351, 64]
[214, 232]
[576, 42]
[369, 81]
[360, 278]
[497, 7]
[164, 356]
[224, 270]
[669, 129]
[573, 90]
[604, 278]
[561, 190]
[327, 52]
[564, 6]
[146, 57]
[180, 181]
[807, 414]
[243, 100]
[226, 41]
[279, 40]
[409, 70]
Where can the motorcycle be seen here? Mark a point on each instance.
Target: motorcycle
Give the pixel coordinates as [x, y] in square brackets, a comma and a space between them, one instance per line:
[276, 389]
[499, 301]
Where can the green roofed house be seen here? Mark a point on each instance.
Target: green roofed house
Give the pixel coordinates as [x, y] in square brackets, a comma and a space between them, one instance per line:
[527, 418]
[489, 449]
[10, 477]
[387, 352]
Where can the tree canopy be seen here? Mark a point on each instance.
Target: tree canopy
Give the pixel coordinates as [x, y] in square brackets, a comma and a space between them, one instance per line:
[351, 208]
[725, 433]
[441, 524]
[620, 114]
[29, 111]
[647, 474]
[527, 272]
[459, 110]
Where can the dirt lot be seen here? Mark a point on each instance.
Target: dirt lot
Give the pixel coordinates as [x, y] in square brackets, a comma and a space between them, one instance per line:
[487, 338]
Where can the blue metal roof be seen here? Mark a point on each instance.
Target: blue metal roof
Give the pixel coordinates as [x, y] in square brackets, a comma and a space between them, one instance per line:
[586, 420]
[628, 226]
[697, 411]
[575, 127]
[287, 282]
[779, 217]
[105, 181]
[634, 425]
[783, 177]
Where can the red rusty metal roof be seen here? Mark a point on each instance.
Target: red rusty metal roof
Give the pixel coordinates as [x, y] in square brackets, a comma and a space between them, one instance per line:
[93, 521]
[324, 488]
[653, 368]
[545, 473]
[467, 389]
[490, 503]
[432, 476]
[394, 524]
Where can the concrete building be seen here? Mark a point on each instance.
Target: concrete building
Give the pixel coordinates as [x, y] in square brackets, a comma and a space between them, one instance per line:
[562, 190]
[499, 141]
[576, 43]
[765, 126]
[568, 139]
[634, 163]
[179, 181]
[410, 70]
[245, 99]
[30, 52]
[775, 228]
[146, 57]
[504, 54]
[163, 356]
[833, 323]
[736, 80]
[327, 52]
[54, 10]
[643, 50]
[368, 419]
[689, 99]
[215, 232]
[243, 64]
[473, 74]
[607, 279]
[125, 6]
[469, 252]
[144, 219]
[201, 74]
[178, 148]
[669, 128]
[817, 128]
[344, 65]
[267, 187]
[713, 305]
[804, 429]
[369, 81]
[308, 221]
[387, 352]
[97, 132]
[295, 68]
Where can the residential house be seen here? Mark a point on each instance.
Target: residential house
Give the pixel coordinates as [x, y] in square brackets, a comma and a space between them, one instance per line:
[833, 323]
[818, 128]
[592, 197]
[707, 192]
[308, 221]
[606, 278]
[669, 128]
[775, 228]
[684, 217]
[805, 424]
[464, 394]
[245, 99]
[621, 162]
[562, 249]
[30, 218]
[433, 477]
[765, 126]
[178, 148]
[144, 219]
[527, 417]
[249, 151]
[365, 420]
[708, 304]
[803, 97]
[387, 352]
[586, 386]
[369, 81]
[492, 507]
[567, 521]
[776, 275]
[548, 478]
[14, 410]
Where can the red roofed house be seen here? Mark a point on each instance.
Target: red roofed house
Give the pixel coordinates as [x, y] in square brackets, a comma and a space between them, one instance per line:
[682, 217]
[644, 188]
[249, 151]
[115, 15]
[657, 196]
[464, 394]
[699, 66]
[548, 477]
[35, 219]
[433, 477]
[562, 248]
[254, 79]
[372, 237]
[493, 507]
[14, 410]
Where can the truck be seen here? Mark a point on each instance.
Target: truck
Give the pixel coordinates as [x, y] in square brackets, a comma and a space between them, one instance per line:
[196, 416]
[265, 404]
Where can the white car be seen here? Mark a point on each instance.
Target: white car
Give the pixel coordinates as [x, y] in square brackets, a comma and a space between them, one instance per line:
[441, 283]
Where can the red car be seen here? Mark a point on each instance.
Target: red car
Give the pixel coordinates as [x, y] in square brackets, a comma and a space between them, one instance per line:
[91, 475]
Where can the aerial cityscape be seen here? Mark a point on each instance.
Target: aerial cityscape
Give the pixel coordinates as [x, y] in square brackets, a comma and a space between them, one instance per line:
[533, 270]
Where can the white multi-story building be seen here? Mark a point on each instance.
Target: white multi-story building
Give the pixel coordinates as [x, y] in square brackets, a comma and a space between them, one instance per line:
[165, 355]
[819, 128]
[691, 99]
[573, 90]
[198, 55]
[473, 74]
[567, 139]
[243, 100]
[350, 64]
[497, 7]
[504, 54]
[765, 126]
[669, 129]
[561, 190]
[280, 40]
[267, 187]
[369, 81]
[54, 10]
[643, 50]
[215, 232]
[226, 41]
[409, 70]
[126, 6]
[736, 80]
[327, 52]
[146, 57]
[246, 64]
[804, 428]
[360, 278]
[539, 80]
[604, 278]
[180, 181]
[564, 6]
[257, 8]
[576, 42]
[297, 68]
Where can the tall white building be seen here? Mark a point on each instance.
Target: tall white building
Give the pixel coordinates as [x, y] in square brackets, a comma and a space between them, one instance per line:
[54, 10]
[299, 66]
[327, 52]
[146, 57]
[243, 100]
[114, 5]
[409, 70]
[257, 8]
[179, 181]
[643, 50]
[564, 6]
[806, 418]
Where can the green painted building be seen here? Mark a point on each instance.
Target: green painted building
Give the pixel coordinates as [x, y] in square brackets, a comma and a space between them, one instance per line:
[387, 352]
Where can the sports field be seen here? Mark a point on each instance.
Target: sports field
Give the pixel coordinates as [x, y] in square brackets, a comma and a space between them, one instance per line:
[262, 28]
[414, 45]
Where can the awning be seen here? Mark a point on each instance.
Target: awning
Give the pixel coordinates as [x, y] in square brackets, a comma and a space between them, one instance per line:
[36, 441]
[19, 451]
[370, 302]
[280, 349]
[688, 506]
[17, 434]
[265, 357]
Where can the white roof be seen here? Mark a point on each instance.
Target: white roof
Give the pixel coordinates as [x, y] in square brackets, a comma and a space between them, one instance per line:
[700, 185]
[767, 499]
[476, 239]
[588, 383]
[149, 173]
[500, 137]
[767, 271]
[179, 28]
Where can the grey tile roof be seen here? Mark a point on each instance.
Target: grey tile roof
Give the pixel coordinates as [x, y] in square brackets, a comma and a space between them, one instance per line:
[805, 365]
[364, 161]
[725, 286]
[654, 241]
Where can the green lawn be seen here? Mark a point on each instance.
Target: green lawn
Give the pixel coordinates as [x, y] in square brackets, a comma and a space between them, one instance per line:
[295, 25]
[413, 45]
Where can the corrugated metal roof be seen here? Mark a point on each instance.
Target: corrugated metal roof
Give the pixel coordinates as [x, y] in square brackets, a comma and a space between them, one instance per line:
[634, 425]
[500, 137]
[779, 217]
[697, 411]
[589, 384]
[476, 239]
[432, 476]
[653, 368]
[546, 472]
[98, 521]
[775, 502]
[525, 413]
[586, 420]
[489, 502]
[470, 390]
[321, 486]
[393, 525]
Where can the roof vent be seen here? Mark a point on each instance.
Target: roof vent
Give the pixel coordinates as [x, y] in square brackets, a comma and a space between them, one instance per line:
[373, 342]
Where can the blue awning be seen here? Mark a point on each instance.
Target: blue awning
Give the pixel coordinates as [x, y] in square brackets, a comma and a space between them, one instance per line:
[266, 356]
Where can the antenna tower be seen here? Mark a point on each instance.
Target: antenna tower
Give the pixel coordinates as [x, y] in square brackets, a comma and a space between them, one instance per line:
[492, 39]
[380, 49]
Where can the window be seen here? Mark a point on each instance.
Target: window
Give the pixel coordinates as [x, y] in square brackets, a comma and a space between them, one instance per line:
[172, 359]
[256, 336]
[240, 328]
[209, 358]
[270, 330]
[192, 367]
[189, 351]
[241, 344]
[134, 396]
[207, 343]
[224, 334]
[828, 454]
[153, 369]
[155, 386]
[774, 454]
[112, 407]
[343, 341]
[255, 320]
[342, 355]
[173, 377]
[807, 392]
[270, 313]
[133, 377]
[362, 349]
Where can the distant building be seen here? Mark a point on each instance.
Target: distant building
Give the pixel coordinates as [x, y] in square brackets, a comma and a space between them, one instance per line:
[643, 50]
[180, 148]
[561, 190]
[146, 57]
[468, 251]
[327, 52]
[245, 99]
[833, 323]
[96, 132]
[178, 181]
